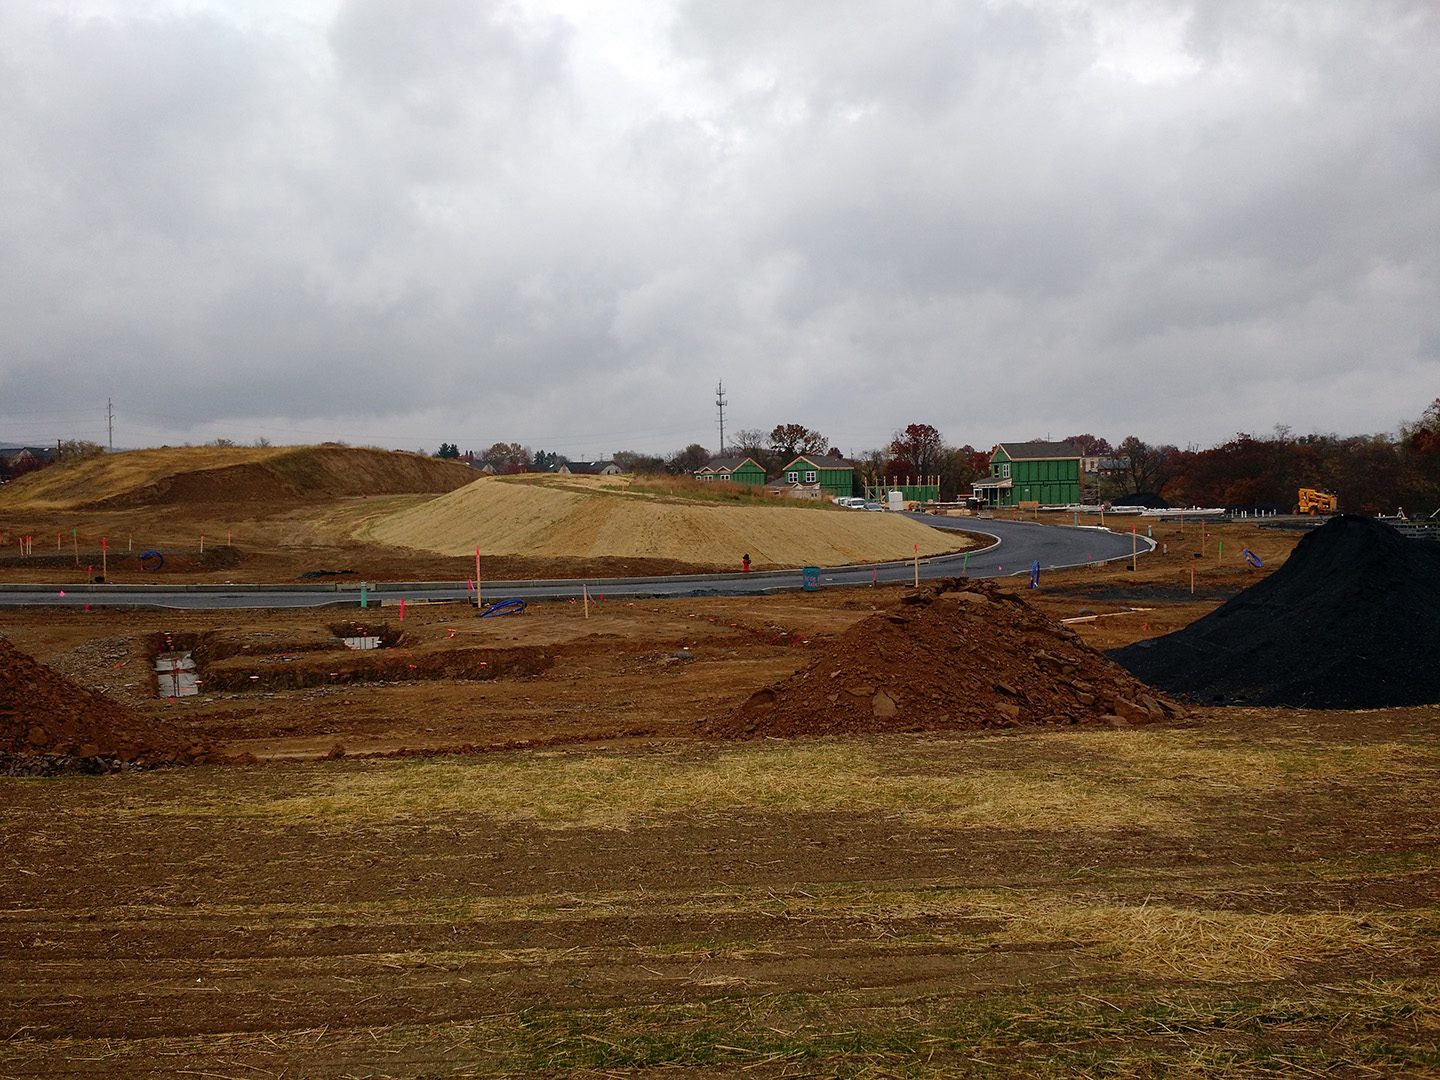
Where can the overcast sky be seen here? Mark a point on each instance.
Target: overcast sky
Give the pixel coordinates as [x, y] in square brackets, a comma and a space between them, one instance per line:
[561, 222]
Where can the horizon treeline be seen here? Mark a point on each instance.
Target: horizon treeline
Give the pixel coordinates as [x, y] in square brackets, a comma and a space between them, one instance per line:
[1377, 473]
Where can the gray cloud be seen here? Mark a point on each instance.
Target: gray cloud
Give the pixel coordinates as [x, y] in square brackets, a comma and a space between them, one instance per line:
[479, 221]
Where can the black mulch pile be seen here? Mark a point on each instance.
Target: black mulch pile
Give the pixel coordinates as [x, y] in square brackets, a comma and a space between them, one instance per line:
[1351, 621]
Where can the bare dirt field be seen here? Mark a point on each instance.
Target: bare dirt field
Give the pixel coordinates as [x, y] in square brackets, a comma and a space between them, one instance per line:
[509, 846]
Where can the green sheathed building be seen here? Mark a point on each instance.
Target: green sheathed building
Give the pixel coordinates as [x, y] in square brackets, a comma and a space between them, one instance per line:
[1047, 473]
[732, 470]
[835, 477]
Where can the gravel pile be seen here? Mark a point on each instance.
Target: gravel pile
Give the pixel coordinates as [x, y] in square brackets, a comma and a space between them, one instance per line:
[1351, 621]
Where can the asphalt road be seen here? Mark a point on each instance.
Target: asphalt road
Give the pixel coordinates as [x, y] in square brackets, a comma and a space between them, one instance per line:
[1018, 546]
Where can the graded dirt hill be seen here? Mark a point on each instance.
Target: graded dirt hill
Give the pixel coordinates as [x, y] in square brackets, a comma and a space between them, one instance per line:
[958, 654]
[209, 474]
[50, 725]
[1350, 621]
[597, 518]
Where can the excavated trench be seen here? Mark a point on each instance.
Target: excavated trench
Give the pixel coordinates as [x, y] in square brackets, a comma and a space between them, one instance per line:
[212, 662]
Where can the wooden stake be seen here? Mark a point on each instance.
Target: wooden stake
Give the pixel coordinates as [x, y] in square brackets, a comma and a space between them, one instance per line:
[585, 592]
[477, 578]
[917, 566]
[202, 543]
[104, 558]
[1134, 545]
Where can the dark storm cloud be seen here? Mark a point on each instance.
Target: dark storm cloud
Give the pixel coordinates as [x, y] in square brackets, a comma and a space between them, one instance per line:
[479, 221]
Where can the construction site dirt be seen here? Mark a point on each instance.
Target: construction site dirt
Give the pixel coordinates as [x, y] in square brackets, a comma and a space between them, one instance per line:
[558, 843]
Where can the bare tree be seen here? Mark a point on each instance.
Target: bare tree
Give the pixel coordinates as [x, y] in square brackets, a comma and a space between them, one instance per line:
[917, 451]
[788, 440]
[508, 457]
[77, 450]
[684, 462]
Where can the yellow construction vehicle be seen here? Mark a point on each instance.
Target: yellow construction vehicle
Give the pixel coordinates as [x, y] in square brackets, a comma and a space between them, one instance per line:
[1315, 501]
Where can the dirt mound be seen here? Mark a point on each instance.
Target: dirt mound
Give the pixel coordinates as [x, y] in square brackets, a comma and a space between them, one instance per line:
[50, 725]
[566, 517]
[959, 654]
[1349, 622]
[205, 474]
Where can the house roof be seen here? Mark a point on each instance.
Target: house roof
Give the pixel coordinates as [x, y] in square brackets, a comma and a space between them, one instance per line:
[820, 461]
[1032, 451]
[591, 468]
[43, 453]
[731, 463]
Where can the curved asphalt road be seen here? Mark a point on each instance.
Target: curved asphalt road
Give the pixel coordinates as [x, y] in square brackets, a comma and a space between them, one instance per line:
[1018, 545]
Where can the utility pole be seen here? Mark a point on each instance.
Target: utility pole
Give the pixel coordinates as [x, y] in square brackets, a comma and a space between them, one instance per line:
[720, 404]
[110, 417]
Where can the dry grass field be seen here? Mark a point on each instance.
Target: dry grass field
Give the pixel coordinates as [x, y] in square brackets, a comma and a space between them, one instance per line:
[1254, 894]
[551, 871]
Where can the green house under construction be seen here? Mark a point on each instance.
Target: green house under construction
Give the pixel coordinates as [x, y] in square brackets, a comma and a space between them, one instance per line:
[1031, 474]
[832, 476]
[733, 470]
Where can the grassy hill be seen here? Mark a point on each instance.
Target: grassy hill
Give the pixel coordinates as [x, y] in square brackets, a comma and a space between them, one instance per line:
[208, 474]
[604, 517]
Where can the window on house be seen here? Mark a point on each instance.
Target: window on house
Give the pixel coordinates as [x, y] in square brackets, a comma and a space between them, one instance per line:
[810, 477]
[792, 477]
[1005, 471]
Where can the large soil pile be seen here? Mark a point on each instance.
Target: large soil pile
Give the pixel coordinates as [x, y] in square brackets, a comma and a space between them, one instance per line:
[959, 654]
[598, 518]
[207, 474]
[1351, 621]
[50, 725]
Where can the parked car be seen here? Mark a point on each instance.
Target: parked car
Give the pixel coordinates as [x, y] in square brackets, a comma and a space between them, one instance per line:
[876, 507]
